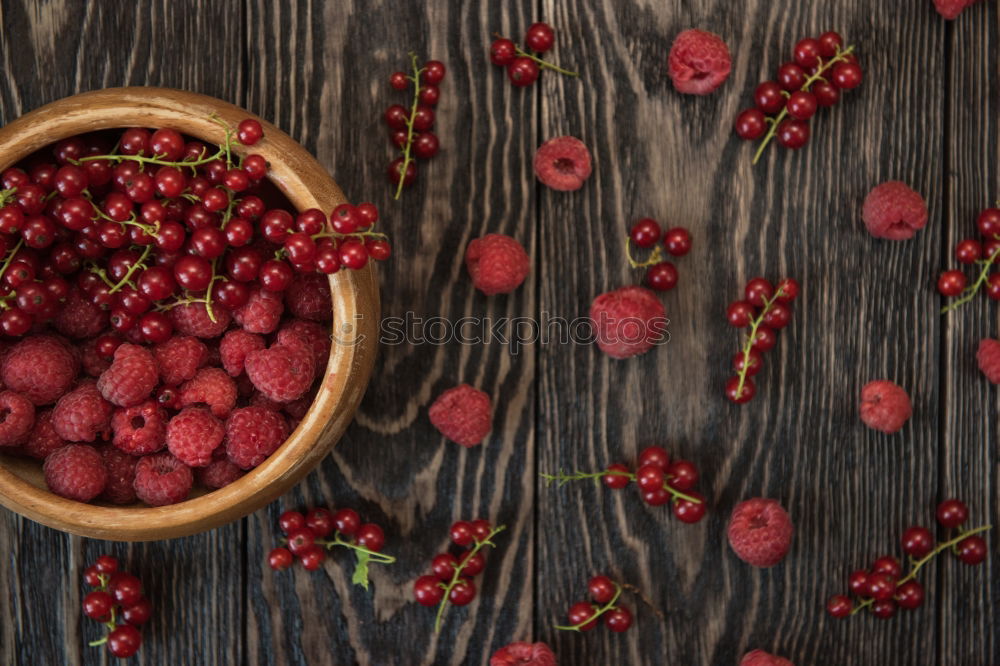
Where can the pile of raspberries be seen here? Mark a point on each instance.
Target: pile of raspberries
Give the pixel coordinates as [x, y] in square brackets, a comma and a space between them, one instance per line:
[117, 422]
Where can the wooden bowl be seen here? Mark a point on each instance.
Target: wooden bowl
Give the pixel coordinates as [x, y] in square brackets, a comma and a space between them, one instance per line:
[355, 313]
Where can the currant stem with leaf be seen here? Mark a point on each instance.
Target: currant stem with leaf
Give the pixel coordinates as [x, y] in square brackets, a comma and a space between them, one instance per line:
[365, 556]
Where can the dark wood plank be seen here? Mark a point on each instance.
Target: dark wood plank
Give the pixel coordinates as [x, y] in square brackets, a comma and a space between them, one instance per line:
[320, 71]
[51, 50]
[675, 158]
[970, 429]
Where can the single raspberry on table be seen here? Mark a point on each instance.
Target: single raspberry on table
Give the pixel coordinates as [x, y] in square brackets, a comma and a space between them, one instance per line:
[193, 319]
[234, 347]
[252, 434]
[262, 311]
[120, 488]
[463, 414]
[308, 297]
[523, 654]
[628, 321]
[82, 414]
[193, 434]
[93, 363]
[760, 532]
[950, 9]
[698, 62]
[162, 479]
[79, 317]
[213, 388]
[141, 429]
[884, 406]
[179, 358]
[218, 474]
[761, 658]
[498, 264]
[988, 357]
[40, 368]
[284, 371]
[893, 210]
[17, 416]
[318, 337]
[43, 438]
[76, 471]
[563, 163]
[132, 376]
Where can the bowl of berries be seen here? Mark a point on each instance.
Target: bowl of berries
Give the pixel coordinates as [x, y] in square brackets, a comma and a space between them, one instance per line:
[188, 313]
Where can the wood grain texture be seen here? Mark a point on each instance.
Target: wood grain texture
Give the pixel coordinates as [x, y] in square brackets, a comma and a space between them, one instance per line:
[926, 114]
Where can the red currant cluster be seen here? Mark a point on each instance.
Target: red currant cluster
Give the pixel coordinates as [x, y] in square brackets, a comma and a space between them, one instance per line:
[160, 221]
[411, 130]
[764, 311]
[646, 233]
[451, 578]
[883, 588]
[820, 70]
[523, 68]
[984, 253]
[118, 604]
[659, 479]
[306, 537]
[604, 594]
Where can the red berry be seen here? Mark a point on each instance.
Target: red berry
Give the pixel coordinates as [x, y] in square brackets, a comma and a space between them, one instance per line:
[124, 641]
[988, 223]
[968, 251]
[777, 316]
[661, 276]
[399, 81]
[857, 582]
[826, 94]
[751, 124]
[347, 522]
[889, 565]
[645, 232]
[138, 613]
[427, 591]
[881, 586]
[522, 72]
[249, 131]
[682, 475]
[444, 565]
[91, 576]
[952, 513]
[757, 291]
[502, 52]
[972, 549]
[312, 558]
[765, 339]
[463, 592]
[993, 286]
[429, 94]
[280, 559]
[768, 97]
[677, 241]
[618, 619]
[737, 395]
[378, 249]
[654, 455]
[106, 564]
[423, 118]
[126, 589]
[481, 529]
[301, 539]
[807, 52]
[846, 75]
[425, 145]
[951, 283]
[461, 533]
[830, 44]
[740, 313]
[97, 605]
[910, 595]
[656, 496]
[787, 290]
[917, 541]
[753, 362]
[601, 589]
[320, 521]
[396, 117]
[353, 254]
[540, 37]
[616, 481]
[579, 613]
[802, 105]
[395, 168]
[275, 275]
[838, 606]
[791, 76]
[473, 565]
[370, 536]
[433, 73]
[883, 609]
[649, 477]
[793, 133]
[687, 511]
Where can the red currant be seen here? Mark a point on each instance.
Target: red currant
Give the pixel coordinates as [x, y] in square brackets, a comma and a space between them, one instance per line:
[444, 565]
[312, 558]
[370, 536]
[838, 606]
[97, 605]
[616, 481]
[737, 395]
[988, 223]
[951, 283]
[396, 166]
[649, 477]
[433, 73]
[540, 37]
[502, 52]
[830, 44]
[793, 133]
[753, 362]
[758, 290]
[461, 534]
[425, 145]
[580, 613]
[320, 521]
[427, 591]
[682, 475]
[883, 609]
[826, 94]
[677, 241]
[910, 595]
[881, 586]
[249, 131]
[656, 456]
[740, 313]
[463, 592]
[968, 251]
[522, 72]
[972, 549]
[751, 124]
[399, 81]
[687, 511]
[661, 276]
[347, 521]
[618, 619]
[889, 565]
[280, 559]
[802, 105]
[645, 233]
[807, 52]
[601, 589]
[124, 641]
[791, 76]
[917, 541]
[846, 75]
[857, 582]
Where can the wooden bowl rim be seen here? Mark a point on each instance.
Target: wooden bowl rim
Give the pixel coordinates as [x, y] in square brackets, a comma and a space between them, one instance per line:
[354, 295]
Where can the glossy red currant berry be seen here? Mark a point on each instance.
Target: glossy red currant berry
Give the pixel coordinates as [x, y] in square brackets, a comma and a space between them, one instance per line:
[481, 529]
[857, 583]
[889, 565]
[787, 290]
[649, 477]
[425, 145]
[291, 521]
[580, 613]
[758, 290]
[97, 605]
[968, 251]
[740, 395]
[881, 586]
[917, 541]
[654, 455]
[522, 72]
[661, 276]
[740, 313]
[312, 558]
[124, 641]
[656, 496]
[301, 539]
[768, 98]
[826, 94]
[618, 619]
[972, 549]
[443, 566]
[275, 275]
[838, 606]
[802, 105]
[399, 81]
[353, 254]
[156, 327]
[951, 283]
[461, 533]
[910, 595]
[347, 522]
[395, 169]
[752, 361]
[138, 613]
[433, 74]
[378, 249]
[463, 592]
[688, 511]
[280, 559]
[617, 480]
[423, 118]
[540, 37]
[370, 536]
[126, 589]
[249, 131]
[777, 316]
[396, 117]
[883, 609]
[602, 589]
[429, 94]
[106, 564]
[320, 521]
[645, 233]
[988, 223]
[427, 591]
[677, 241]
[765, 339]
[473, 565]
[830, 44]
[751, 124]
[682, 475]
[807, 53]
[846, 75]
[502, 52]
[791, 76]
[793, 134]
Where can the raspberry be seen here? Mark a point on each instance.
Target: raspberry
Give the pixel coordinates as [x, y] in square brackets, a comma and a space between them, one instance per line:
[82, 414]
[628, 321]
[498, 264]
[563, 163]
[120, 488]
[162, 479]
[988, 357]
[894, 211]
[252, 434]
[760, 532]
[318, 337]
[284, 371]
[179, 358]
[885, 406]
[218, 474]
[950, 9]
[78, 317]
[131, 378]
[17, 416]
[140, 429]
[76, 472]
[213, 388]
[308, 297]
[523, 654]
[234, 347]
[40, 368]
[463, 414]
[262, 311]
[93, 363]
[761, 658]
[193, 434]
[43, 438]
[193, 319]
[699, 62]
[260, 400]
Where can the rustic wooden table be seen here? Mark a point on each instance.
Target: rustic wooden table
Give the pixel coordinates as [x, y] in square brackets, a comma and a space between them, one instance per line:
[927, 114]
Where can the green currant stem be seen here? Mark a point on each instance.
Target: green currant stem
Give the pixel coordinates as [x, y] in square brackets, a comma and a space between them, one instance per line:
[158, 160]
[563, 479]
[973, 289]
[111, 624]
[455, 577]
[409, 125]
[748, 345]
[329, 544]
[654, 258]
[10, 256]
[917, 564]
[126, 279]
[600, 611]
[7, 195]
[542, 63]
[813, 78]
